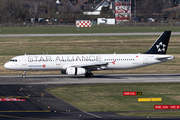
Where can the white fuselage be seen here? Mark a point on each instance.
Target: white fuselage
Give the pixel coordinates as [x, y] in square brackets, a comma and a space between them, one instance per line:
[62, 62]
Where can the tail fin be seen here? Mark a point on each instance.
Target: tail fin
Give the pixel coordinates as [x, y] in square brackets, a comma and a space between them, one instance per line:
[161, 44]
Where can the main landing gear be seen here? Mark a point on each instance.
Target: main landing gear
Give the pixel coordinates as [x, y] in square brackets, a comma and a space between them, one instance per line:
[89, 74]
[24, 74]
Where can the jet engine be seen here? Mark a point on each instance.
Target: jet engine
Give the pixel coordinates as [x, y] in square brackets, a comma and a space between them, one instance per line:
[74, 71]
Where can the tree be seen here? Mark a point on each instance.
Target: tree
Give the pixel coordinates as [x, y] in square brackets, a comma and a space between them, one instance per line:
[175, 3]
[2, 2]
[64, 9]
[33, 11]
[22, 11]
[9, 12]
[13, 11]
[146, 8]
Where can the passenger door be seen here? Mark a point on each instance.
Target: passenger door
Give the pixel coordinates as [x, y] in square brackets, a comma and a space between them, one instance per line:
[24, 60]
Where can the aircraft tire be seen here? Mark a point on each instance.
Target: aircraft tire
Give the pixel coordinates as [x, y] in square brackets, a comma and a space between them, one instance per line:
[23, 76]
[89, 74]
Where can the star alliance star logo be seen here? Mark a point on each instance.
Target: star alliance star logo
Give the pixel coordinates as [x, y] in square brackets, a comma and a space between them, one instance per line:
[161, 47]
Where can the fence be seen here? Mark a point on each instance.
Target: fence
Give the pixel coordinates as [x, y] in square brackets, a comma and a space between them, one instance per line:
[72, 24]
[156, 24]
[37, 24]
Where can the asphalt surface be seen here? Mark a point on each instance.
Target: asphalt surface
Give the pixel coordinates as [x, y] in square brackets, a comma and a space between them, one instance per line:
[36, 106]
[110, 78]
[39, 104]
[84, 34]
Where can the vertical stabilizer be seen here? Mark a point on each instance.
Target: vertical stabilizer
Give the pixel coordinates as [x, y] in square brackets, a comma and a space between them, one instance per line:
[161, 44]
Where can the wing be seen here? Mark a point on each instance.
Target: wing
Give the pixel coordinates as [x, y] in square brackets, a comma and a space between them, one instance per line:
[91, 65]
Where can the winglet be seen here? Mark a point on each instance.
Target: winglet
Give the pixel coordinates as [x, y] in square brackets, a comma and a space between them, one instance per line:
[161, 44]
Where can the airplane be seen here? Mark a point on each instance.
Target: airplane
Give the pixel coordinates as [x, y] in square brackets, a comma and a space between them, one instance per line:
[83, 64]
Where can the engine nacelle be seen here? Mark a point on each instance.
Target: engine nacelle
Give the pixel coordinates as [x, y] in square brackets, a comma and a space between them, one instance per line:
[74, 71]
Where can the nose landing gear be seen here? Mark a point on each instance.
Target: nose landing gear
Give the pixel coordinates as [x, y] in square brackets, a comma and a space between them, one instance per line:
[24, 74]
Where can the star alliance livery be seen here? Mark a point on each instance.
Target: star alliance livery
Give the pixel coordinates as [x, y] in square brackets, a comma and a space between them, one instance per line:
[83, 64]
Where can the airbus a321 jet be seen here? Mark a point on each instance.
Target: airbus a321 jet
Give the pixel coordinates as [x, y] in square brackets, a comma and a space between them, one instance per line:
[83, 64]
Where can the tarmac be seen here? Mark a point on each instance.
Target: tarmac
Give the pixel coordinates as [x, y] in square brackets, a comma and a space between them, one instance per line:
[84, 34]
[39, 104]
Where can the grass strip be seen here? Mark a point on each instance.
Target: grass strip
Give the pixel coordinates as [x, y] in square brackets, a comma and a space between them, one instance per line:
[152, 114]
[109, 97]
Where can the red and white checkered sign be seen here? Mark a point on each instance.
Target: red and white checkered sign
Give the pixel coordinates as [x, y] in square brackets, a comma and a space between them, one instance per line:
[83, 23]
[11, 99]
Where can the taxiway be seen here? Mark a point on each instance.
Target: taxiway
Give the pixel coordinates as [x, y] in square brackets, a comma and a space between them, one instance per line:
[84, 34]
[39, 104]
[110, 78]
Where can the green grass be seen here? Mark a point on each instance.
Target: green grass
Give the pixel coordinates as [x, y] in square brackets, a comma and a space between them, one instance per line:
[82, 45]
[109, 97]
[152, 114]
[95, 29]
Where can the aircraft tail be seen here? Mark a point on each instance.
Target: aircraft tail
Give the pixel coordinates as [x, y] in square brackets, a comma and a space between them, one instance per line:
[161, 44]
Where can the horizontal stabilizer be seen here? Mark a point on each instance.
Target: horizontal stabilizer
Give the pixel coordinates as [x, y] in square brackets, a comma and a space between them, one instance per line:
[169, 57]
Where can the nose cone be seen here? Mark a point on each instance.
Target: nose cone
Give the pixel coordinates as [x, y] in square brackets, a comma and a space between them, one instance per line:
[6, 65]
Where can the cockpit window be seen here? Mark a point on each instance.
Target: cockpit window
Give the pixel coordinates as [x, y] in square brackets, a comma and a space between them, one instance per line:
[13, 60]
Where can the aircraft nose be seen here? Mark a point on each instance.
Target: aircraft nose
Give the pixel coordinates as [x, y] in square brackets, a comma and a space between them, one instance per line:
[6, 65]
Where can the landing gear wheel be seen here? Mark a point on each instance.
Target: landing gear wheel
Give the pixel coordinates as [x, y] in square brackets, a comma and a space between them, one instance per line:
[23, 76]
[89, 74]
